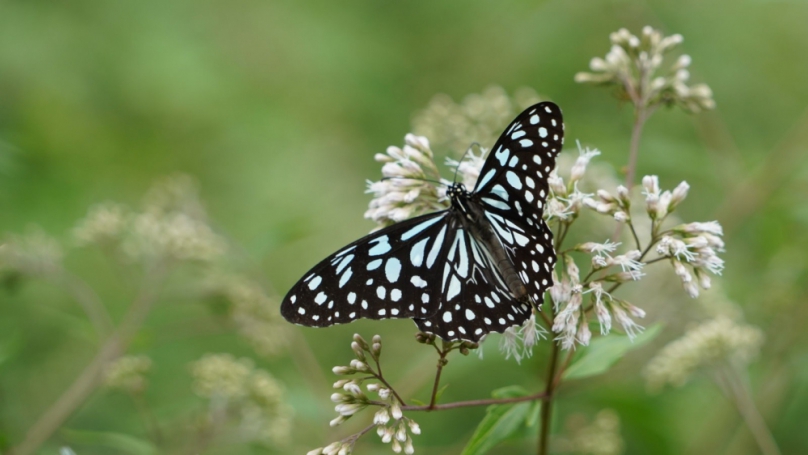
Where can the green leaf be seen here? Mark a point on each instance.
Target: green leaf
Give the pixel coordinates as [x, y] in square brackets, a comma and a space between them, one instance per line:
[603, 352]
[511, 391]
[533, 415]
[121, 443]
[501, 421]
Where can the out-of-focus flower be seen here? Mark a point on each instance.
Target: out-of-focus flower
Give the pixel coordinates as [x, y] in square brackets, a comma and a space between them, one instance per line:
[634, 66]
[600, 437]
[221, 376]
[250, 393]
[478, 118]
[104, 224]
[710, 344]
[128, 373]
[173, 225]
[34, 253]
[254, 313]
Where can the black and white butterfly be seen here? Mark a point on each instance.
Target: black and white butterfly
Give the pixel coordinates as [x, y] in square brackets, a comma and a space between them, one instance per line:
[460, 273]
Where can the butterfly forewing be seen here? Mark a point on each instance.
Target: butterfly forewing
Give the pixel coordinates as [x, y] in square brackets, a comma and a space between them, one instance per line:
[513, 180]
[475, 299]
[391, 273]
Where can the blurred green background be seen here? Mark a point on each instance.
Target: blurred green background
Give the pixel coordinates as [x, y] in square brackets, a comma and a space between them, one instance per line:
[276, 109]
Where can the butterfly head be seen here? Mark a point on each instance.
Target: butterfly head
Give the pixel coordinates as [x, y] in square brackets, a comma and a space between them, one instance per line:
[456, 191]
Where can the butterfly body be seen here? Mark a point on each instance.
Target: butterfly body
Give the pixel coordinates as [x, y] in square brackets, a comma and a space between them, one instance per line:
[481, 229]
[477, 267]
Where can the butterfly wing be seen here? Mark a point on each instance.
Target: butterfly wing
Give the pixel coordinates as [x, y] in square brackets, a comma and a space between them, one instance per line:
[475, 299]
[513, 189]
[391, 273]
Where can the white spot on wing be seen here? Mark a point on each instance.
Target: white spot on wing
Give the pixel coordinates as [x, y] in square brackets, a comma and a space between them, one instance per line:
[392, 269]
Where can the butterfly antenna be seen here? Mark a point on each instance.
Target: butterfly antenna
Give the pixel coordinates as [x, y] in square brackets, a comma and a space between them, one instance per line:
[464, 157]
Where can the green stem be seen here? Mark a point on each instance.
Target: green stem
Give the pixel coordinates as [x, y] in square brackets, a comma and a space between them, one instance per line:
[547, 406]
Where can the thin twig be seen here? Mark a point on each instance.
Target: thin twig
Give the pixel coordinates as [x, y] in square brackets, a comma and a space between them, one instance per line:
[547, 407]
[380, 377]
[741, 397]
[471, 403]
[90, 377]
[441, 363]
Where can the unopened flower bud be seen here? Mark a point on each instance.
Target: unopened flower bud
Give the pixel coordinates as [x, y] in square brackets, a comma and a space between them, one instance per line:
[357, 349]
[401, 433]
[381, 417]
[395, 411]
[340, 418]
[342, 371]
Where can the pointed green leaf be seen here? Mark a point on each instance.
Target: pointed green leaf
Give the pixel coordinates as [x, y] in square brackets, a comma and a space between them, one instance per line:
[501, 421]
[603, 352]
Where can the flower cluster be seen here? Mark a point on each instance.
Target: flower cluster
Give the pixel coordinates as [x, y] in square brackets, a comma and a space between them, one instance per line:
[566, 199]
[391, 424]
[634, 66]
[478, 118]
[252, 395]
[519, 342]
[128, 373]
[104, 224]
[710, 344]
[34, 253]
[254, 313]
[599, 437]
[407, 188]
[568, 293]
[172, 225]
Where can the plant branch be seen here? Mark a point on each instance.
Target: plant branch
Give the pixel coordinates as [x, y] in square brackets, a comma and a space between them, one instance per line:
[472, 403]
[91, 376]
[547, 407]
[441, 363]
[740, 396]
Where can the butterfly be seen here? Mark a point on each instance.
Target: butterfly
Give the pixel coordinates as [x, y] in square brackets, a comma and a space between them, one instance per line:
[477, 267]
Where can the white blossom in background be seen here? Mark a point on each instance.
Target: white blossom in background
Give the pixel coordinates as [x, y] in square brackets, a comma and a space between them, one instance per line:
[479, 118]
[599, 437]
[712, 343]
[634, 65]
[104, 224]
[253, 312]
[251, 394]
[33, 253]
[128, 373]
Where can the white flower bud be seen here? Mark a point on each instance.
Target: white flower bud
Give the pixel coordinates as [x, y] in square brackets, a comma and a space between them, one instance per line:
[408, 448]
[396, 446]
[401, 433]
[395, 411]
[620, 216]
[414, 428]
[343, 371]
[338, 420]
[381, 417]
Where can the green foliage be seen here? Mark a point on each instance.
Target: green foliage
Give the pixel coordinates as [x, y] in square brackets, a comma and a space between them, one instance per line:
[502, 421]
[603, 352]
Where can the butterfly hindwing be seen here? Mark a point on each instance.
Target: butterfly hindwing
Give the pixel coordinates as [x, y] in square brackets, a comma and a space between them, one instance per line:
[474, 297]
[391, 273]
